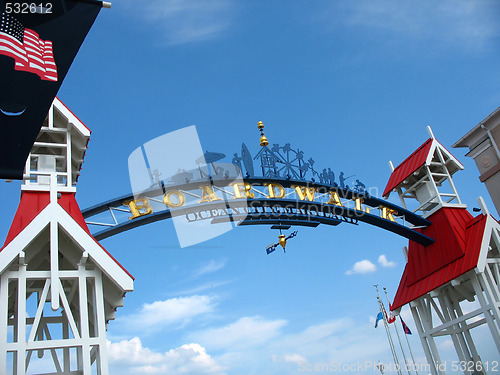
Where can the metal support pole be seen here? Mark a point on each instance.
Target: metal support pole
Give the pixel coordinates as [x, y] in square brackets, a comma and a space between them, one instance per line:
[399, 338]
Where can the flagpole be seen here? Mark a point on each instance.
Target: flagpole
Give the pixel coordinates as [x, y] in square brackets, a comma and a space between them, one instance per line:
[399, 338]
[409, 347]
[389, 337]
[103, 4]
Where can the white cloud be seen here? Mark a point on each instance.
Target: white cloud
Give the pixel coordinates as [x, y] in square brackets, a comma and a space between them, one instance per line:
[210, 267]
[446, 344]
[255, 345]
[130, 357]
[176, 309]
[246, 331]
[372, 319]
[382, 259]
[187, 21]
[290, 358]
[173, 311]
[363, 266]
[321, 331]
[248, 342]
[463, 22]
[201, 288]
[294, 358]
[342, 340]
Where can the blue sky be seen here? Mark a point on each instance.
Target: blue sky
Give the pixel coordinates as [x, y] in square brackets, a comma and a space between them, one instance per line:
[351, 83]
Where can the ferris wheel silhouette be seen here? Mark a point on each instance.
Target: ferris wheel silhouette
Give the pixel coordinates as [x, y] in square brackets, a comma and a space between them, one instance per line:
[290, 163]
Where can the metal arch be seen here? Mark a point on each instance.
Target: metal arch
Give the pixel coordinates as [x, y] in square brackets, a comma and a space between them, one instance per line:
[322, 214]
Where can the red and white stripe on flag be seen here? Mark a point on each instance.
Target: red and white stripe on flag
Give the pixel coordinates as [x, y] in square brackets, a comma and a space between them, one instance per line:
[34, 55]
[391, 318]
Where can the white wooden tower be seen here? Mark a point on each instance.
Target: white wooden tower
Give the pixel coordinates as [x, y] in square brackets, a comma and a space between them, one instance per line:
[452, 285]
[58, 286]
[426, 177]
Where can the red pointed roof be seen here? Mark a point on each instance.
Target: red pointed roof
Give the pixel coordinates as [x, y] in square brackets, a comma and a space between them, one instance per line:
[33, 202]
[408, 166]
[458, 237]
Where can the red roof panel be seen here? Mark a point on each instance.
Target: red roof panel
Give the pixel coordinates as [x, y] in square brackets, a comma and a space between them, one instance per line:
[33, 202]
[408, 166]
[458, 237]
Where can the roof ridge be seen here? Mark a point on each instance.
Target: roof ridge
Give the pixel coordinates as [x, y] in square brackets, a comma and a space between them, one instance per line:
[475, 220]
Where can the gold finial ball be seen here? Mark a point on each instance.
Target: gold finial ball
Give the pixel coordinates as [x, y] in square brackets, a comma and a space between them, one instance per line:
[263, 141]
[282, 240]
[260, 125]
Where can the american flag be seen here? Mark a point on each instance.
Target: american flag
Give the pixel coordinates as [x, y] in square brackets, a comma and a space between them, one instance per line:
[30, 53]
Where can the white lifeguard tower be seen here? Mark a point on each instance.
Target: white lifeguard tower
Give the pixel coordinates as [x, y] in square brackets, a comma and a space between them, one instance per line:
[426, 177]
[452, 285]
[58, 286]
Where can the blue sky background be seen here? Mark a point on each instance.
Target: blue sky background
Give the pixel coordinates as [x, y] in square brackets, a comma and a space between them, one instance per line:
[351, 83]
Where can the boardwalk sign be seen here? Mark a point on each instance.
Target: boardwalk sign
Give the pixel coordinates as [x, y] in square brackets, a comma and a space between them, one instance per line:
[173, 178]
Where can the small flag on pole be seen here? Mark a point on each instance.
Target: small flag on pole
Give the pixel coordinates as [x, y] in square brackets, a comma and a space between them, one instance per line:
[271, 248]
[405, 327]
[380, 316]
[391, 318]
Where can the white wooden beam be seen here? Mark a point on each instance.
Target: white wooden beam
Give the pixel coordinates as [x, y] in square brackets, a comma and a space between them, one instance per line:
[38, 316]
[101, 327]
[4, 306]
[54, 265]
[21, 321]
[476, 282]
[68, 312]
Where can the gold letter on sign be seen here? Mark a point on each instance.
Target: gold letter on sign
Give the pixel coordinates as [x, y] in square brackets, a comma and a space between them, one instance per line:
[208, 194]
[358, 202]
[387, 213]
[238, 189]
[334, 199]
[139, 207]
[180, 198]
[272, 192]
[304, 191]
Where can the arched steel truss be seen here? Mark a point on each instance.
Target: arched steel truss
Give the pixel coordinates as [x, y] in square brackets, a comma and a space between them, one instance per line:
[262, 209]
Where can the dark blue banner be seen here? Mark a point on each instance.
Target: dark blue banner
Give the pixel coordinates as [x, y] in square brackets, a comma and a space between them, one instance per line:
[38, 43]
